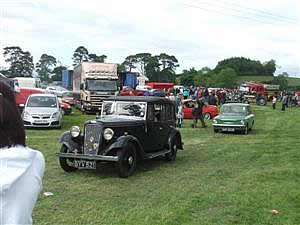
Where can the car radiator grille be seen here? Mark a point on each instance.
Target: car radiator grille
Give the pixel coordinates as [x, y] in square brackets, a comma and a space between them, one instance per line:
[41, 116]
[98, 99]
[92, 139]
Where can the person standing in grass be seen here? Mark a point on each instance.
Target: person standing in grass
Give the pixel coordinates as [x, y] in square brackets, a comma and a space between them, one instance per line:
[21, 168]
[197, 113]
[274, 100]
[284, 102]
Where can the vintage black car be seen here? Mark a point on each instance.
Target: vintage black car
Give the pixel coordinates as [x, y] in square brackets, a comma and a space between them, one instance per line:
[130, 128]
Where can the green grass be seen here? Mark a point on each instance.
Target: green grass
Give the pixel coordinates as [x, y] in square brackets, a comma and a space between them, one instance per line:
[217, 179]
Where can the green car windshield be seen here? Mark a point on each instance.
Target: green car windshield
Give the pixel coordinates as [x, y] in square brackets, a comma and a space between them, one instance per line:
[234, 110]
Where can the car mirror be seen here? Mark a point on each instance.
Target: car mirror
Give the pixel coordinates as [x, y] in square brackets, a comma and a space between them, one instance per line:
[22, 105]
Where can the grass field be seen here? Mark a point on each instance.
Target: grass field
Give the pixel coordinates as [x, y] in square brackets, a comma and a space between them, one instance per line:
[217, 179]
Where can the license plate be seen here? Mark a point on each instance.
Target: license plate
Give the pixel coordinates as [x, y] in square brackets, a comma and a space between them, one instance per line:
[228, 129]
[84, 164]
[41, 121]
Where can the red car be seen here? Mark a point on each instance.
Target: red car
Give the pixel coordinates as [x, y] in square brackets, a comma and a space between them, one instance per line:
[128, 91]
[209, 111]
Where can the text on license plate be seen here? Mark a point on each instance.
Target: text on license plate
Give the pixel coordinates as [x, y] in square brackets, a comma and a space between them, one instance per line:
[41, 121]
[84, 164]
[228, 129]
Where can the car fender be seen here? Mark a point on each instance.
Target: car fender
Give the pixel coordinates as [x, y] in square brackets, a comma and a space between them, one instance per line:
[66, 139]
[172, 135]
[122, 141]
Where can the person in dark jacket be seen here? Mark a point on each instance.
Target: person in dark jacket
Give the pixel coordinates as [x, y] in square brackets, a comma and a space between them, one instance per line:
[212, 99]
[197, 113]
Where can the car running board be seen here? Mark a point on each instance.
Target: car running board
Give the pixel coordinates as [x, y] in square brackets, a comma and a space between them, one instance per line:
[156, 154]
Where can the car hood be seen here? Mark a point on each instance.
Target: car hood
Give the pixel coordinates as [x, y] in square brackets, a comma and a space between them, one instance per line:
[41, 110]
[230, 117]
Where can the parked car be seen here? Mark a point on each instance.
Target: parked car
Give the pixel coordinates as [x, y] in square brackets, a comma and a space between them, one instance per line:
[56, 90]
[67, 108]
[128, 91]
[68, 97]
[143, 88]
[130, 128]
[155, 92]
[209, 111]
[234, 117]
[42, 110]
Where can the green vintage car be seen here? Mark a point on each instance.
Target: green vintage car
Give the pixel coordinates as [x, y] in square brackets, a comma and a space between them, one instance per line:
[234, 117]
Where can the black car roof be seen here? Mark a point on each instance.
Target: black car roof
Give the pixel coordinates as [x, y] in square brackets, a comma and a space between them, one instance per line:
[140, 99]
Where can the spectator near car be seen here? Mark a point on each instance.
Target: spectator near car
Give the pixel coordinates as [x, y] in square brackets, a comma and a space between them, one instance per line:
[130, 128]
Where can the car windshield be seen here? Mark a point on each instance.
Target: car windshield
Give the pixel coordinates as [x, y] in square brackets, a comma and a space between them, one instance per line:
[102, 85]
[42, 101]
[234, 110]
[130, 109]
[67, 95]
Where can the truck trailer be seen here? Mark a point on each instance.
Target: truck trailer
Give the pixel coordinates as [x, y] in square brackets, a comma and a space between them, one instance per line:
[95, 82]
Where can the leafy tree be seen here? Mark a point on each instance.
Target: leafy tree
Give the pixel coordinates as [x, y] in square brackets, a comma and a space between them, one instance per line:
[244, 66]
[130, 62]
[227, 78]
[21, 63]
[96, 58]
[58, 73]
[270, 67]
[142, 59]
[281, 81]
[45, 67]
[81, 54]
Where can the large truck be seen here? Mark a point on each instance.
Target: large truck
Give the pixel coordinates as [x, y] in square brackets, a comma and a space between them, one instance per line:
[67, 79]
[260, 93]
[95, 82]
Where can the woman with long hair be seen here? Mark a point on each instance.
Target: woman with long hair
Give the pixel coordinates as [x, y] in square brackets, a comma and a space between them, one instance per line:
[21, 168]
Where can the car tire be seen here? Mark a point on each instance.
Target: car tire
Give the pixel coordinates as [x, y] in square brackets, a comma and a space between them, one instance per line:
[64, 162]
[171, 156]
[207, 116]
[261, 101]
[246, 131]
[251, 126]
[127, 160]
[216, 130]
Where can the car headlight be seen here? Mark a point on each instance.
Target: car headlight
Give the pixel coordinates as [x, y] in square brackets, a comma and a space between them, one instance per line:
[108, 134]
[215, 121]
[75, 131]
[242, 122]
[55, 115]
[26, 115]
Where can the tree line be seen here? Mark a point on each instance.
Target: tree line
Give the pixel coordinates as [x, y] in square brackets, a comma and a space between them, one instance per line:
[158, 68]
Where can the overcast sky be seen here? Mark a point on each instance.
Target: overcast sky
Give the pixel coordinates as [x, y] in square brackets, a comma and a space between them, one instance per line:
[198, 32]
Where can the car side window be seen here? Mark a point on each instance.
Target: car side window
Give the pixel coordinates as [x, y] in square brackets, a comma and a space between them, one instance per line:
[150, 112]
[158, 113]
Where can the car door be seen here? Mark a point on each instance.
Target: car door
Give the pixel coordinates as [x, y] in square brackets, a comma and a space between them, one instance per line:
[187, 109]
[155, 128]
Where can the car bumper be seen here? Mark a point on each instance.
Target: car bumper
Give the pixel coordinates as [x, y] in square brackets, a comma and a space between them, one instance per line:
[88, 157]
[229, 127]
[45, 123]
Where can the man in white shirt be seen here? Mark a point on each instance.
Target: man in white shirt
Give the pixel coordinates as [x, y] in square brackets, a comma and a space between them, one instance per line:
[21, 168]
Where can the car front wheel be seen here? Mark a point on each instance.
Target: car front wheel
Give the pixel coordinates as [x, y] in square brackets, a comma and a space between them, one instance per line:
[65, 163]
[246, 130]
[127, 160]
[207, 116]
[171, 156]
